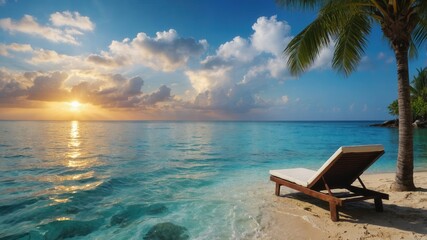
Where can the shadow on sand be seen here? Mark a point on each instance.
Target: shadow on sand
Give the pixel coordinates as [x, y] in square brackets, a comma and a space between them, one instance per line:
[394, 216]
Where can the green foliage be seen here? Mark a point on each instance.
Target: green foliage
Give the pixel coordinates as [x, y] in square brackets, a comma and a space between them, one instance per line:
[419, 84]
[419, 108]
[393, 108]
[418, 97]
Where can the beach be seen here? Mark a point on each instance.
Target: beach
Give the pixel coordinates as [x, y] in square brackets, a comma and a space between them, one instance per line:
[297, 216]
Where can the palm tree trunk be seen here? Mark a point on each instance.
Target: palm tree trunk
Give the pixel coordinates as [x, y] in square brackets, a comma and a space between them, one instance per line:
[405, 156]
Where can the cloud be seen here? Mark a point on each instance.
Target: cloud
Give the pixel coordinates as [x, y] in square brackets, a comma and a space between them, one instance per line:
[117, 91]
[15, 47]
[390, 60]
[232, 79]
[285, 99]
[233, 100]
[14, 89]
[238, 48]
[165, 52]
[51, 57]
[11, 89]
[29, 26]
[104, 60]
[52, 60]
[205, 79]
[216, 89]
[110, 91]
[72, 19]
[365, 107]
[271, 35]
[161, 95]
[104, 90]
[58, 34]
[48, 87]
[336, 109]
[384, 57]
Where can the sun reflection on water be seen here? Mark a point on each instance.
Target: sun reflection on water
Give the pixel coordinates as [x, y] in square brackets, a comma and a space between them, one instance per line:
[74, 135]
[80, 162]
[77, 155]
[74, 146]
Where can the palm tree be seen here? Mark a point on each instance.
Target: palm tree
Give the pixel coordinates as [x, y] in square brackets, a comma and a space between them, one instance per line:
[347, 25]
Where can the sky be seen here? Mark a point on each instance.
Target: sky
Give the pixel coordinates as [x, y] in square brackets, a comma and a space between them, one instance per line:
[178, 60]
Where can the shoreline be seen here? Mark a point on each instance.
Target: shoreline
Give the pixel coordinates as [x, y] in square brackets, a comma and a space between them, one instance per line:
[294, 215]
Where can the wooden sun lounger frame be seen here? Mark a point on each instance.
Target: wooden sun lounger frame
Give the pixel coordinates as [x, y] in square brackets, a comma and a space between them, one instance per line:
[356, 194]
[335, 201]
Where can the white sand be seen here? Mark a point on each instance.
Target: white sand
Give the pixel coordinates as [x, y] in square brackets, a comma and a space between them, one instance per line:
[297, 216]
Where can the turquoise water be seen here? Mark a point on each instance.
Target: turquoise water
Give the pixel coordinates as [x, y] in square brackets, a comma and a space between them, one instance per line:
[185, 180]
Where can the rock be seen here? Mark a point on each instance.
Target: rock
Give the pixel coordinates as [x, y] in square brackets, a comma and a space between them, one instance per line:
[419, 124]
[69, 228]
[389, 123]
[415, 124]
[395, 124]
[59, 230]
[167, 231]
[133, 212]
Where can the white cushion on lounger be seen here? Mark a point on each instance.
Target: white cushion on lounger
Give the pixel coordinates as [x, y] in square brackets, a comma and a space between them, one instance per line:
[299, 176]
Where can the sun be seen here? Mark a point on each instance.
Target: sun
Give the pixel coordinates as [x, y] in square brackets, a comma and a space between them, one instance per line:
[75, 105]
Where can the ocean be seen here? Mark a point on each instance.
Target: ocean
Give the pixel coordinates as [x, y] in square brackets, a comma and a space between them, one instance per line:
[161, 180]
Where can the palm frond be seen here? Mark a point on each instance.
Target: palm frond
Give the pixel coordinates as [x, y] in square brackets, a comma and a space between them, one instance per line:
[351, 43]
[349, 23]
[419, 83]
[381, 7]
[413, 50]
[305, 47]
[419, 35]
[421, 6]
[413, 90]
[303, 4]
[335, 20]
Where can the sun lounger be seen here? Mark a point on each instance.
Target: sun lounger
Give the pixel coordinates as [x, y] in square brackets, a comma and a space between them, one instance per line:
[340, 171]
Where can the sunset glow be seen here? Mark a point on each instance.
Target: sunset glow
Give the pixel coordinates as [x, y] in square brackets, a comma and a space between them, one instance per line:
[68, 61]
[75, 106]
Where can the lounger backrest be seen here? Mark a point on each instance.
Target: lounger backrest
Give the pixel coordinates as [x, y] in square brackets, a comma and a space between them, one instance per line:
[345, 166]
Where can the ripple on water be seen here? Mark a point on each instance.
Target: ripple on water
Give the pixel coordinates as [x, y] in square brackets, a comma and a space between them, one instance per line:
[6, 209]
[96, 193]
[17, 156]
[141, 182]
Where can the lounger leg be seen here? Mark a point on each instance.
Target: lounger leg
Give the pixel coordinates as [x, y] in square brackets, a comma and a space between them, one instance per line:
[277, 192]
[334, 211]
[378, 204]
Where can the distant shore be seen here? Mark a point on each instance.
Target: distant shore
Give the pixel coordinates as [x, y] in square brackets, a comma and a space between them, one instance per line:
[395, 124]
[296, 216]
